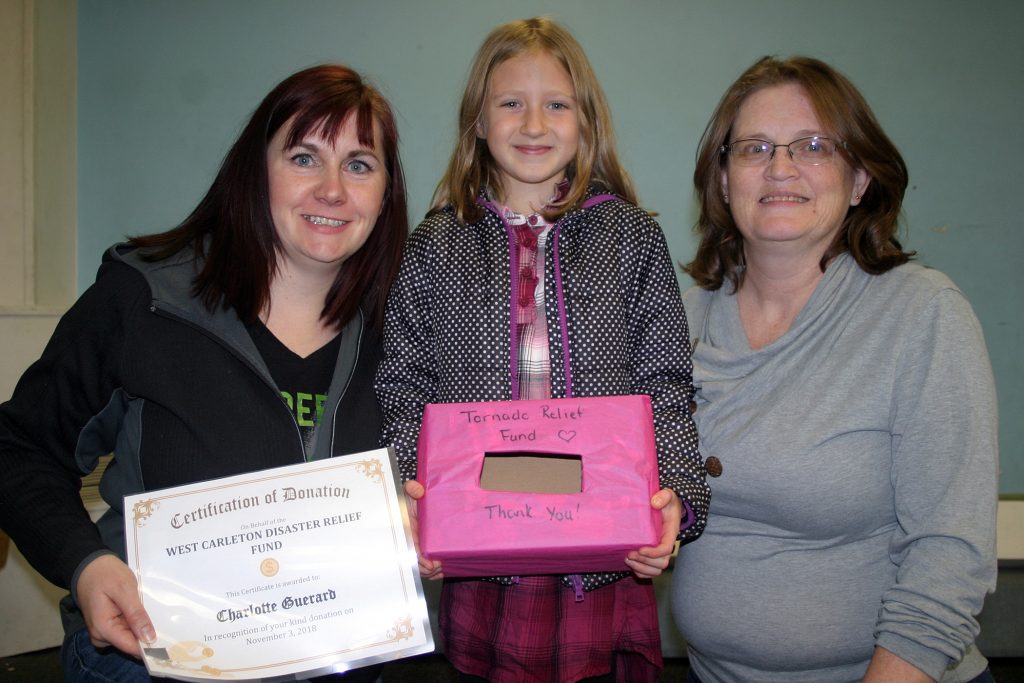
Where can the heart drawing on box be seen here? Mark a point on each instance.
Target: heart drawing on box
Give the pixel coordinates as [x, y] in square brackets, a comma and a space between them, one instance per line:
[566, 435]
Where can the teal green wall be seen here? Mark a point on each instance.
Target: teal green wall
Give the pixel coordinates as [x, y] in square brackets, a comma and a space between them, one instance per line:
[164, 87]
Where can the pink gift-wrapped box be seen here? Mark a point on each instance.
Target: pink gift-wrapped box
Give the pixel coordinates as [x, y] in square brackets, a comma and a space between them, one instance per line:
[482, 515]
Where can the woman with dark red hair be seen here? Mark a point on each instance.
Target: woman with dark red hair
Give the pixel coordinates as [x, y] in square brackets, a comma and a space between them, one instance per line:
[177, 359]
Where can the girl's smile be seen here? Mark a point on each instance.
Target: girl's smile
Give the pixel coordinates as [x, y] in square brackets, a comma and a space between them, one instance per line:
[530, 124]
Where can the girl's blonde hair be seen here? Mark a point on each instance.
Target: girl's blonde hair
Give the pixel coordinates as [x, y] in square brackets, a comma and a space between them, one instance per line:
[472, 167]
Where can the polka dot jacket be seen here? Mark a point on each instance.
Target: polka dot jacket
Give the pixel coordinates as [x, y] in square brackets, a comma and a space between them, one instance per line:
[447, 336]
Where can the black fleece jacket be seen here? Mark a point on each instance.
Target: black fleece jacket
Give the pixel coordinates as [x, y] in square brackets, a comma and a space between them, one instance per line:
[179, 394]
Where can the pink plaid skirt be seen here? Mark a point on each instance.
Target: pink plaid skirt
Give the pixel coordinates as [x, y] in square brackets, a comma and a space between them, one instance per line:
[536, 632]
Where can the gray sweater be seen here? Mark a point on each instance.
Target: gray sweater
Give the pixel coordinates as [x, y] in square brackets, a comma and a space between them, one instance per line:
[858, 497]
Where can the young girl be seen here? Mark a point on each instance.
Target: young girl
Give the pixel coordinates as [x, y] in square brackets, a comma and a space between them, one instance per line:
[535, 275]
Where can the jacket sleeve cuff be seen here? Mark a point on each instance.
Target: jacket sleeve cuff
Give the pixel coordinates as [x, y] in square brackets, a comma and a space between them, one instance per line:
[81, 567]
[695, 499]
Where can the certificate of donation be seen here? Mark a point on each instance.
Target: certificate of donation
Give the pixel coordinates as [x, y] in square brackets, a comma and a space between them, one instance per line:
[280, 574]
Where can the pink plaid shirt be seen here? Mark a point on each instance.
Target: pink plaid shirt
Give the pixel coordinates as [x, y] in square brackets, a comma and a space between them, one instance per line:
[534, 369]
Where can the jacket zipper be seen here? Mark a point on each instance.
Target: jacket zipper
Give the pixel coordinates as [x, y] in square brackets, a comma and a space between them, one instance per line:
[344, 390]
[563, 322]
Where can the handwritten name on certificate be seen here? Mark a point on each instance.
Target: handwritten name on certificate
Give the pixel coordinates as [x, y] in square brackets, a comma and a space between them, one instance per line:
[279, 574]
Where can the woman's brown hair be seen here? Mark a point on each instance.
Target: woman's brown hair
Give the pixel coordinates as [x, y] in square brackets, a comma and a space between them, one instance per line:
[869, 229]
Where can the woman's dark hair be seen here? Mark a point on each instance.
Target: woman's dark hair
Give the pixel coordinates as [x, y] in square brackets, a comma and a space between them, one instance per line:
[231, 230]
[869, 229]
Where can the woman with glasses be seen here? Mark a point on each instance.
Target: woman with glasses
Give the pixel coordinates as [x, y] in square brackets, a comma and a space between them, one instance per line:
[846, 394]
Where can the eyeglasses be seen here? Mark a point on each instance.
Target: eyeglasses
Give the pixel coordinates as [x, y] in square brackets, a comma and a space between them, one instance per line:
[813, 151]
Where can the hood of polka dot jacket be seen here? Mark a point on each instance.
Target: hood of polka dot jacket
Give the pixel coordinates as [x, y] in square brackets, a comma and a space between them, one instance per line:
[447, 334]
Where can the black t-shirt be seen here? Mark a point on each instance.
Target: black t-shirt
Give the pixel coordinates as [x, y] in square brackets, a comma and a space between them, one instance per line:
[303, 382]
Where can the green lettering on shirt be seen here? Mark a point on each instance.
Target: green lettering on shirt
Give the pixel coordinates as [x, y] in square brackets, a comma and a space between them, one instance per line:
[308, 409]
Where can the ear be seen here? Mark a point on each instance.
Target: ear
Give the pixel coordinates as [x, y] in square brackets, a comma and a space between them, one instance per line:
[481, 129]
[725, 186]
[861, 181]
